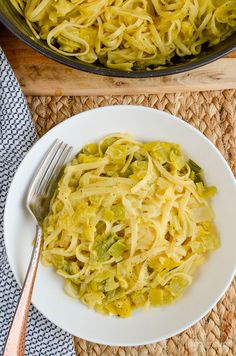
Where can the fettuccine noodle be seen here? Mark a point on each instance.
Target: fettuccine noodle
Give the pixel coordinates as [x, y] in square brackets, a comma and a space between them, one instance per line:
[131, 34]
[128, 224]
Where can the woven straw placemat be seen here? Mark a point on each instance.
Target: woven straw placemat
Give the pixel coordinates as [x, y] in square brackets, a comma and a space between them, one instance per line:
[214, 114]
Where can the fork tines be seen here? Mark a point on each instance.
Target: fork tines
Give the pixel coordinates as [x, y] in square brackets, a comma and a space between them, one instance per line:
[49, 168]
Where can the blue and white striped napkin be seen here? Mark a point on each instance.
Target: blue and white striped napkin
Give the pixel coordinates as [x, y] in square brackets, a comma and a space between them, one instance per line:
[17, 135]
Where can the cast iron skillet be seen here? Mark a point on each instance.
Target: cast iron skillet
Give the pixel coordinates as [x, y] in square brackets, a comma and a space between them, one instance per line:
[16, 24]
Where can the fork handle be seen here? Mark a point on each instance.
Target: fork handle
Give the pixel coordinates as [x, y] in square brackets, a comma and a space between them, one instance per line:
[15, 343]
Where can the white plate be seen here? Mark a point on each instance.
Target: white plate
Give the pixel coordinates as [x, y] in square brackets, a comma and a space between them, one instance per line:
[145, 326]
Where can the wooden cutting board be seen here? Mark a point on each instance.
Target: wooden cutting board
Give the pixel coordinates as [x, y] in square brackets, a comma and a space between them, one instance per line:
[39, 75]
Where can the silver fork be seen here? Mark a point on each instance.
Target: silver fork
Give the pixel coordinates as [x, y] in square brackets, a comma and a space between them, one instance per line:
[38, 198]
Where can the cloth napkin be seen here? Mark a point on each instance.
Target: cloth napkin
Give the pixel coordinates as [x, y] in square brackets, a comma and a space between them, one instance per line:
[17, 135]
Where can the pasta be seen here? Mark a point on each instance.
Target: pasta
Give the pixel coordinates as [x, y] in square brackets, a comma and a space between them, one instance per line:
[128, 224]
[129, 34]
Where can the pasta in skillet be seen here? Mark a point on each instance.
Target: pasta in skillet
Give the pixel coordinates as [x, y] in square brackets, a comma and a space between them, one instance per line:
[129, 34]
